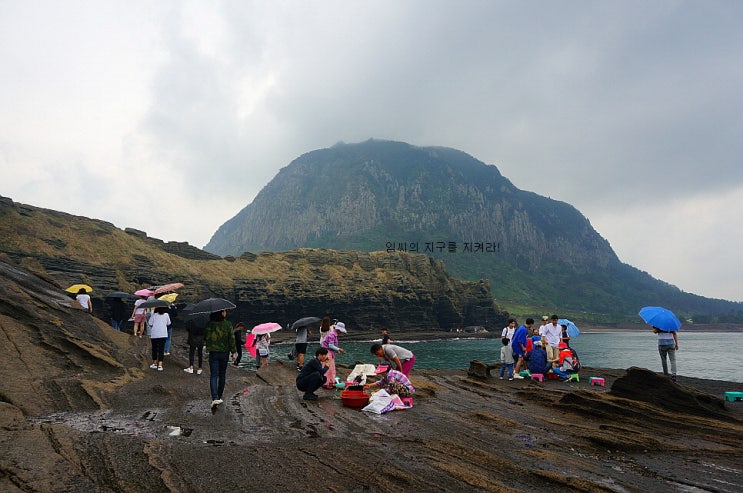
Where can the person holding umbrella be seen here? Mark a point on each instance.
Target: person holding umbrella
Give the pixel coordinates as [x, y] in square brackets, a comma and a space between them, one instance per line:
[160, 322]
[302, 326]
[139, 315]
[668, 344]
[664, 323]
[84, 299]
[119, 311]
[220, 343]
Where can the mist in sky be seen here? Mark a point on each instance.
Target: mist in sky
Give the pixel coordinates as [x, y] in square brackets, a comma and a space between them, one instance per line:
[169, 117]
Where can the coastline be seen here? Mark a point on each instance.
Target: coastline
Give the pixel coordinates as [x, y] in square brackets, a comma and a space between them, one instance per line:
[155, 432]
[285, 336]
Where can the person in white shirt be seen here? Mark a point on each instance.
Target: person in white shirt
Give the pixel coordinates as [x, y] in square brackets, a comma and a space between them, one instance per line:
[545, 318]
[509, 330]
[84, 299]
[159, 333]
[553, 336]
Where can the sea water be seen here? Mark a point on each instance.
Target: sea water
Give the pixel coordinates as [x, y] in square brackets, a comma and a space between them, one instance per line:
[710, 355]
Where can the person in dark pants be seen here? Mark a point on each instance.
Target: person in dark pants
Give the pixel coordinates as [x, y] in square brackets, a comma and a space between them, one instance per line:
[195, 328]
[119, 313]
[220, 343]
[239, 342]
[312, 375]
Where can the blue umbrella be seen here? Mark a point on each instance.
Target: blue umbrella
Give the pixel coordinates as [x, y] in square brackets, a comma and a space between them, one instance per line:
[660, 317]
[572, 329]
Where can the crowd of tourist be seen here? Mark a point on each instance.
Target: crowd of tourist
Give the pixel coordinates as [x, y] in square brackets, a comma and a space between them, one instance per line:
[537, 350]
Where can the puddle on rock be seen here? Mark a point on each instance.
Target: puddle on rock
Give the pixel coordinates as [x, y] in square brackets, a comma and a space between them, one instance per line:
[149, 425]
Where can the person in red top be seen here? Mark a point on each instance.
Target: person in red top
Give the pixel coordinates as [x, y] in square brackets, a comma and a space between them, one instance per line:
[566, 363]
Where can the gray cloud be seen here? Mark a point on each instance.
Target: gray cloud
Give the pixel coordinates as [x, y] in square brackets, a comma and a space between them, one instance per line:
[628, 110]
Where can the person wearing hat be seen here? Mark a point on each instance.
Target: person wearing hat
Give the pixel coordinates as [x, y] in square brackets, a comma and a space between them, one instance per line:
[566, 362]
[543, 325]
[330, 342]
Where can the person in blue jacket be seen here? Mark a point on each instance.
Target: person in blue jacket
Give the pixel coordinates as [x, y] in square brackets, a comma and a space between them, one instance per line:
[536, 360]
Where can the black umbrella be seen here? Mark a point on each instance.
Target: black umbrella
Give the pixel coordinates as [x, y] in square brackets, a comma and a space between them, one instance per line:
[212, 305]
[154, 304]
[304, 322]
[196, 319]
[122, 295]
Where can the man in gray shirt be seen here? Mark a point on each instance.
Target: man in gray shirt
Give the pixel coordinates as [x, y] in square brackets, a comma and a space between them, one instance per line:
[300, 345]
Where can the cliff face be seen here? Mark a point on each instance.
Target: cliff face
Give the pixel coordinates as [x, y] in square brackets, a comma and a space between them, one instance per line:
[362, 196]
[364, 290]
[391, 196]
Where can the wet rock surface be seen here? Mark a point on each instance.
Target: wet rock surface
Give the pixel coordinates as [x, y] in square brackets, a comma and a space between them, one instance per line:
[82, 411]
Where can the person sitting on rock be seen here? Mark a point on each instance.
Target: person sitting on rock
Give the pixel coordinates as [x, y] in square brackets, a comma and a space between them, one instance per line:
[536, 360]
[394, 382]
[566, 364]
[312, 375]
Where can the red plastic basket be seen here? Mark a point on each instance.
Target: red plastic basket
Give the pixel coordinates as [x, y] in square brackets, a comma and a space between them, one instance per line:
[354, 398]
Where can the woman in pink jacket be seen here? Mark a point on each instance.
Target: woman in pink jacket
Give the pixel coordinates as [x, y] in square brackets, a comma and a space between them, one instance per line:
[329, 340]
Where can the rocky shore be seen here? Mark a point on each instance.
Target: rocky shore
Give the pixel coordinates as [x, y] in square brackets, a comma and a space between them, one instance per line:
[81, 411]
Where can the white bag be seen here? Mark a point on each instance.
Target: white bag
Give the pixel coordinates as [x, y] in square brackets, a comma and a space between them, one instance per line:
[380, 402]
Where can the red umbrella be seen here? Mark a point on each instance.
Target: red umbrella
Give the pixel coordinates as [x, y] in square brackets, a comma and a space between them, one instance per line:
[144, 292]
[168, 287]
[266, 328]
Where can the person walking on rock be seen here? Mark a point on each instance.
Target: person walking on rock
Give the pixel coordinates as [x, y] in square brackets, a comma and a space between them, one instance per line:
[119, 311]
[239, 341]
[83, 298]
[159, 333]
[140, 316]
[195, 329]
[220, 343]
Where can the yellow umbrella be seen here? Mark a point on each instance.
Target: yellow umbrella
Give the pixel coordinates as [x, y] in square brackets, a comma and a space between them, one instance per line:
[170, 297]
[75, 288]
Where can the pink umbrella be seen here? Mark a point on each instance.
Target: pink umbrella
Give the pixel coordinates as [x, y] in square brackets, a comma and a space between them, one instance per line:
[266, 328]
[144, 292]
[168, 287]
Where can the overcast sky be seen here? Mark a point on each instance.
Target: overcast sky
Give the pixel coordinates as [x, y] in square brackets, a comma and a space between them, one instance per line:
[169, 117]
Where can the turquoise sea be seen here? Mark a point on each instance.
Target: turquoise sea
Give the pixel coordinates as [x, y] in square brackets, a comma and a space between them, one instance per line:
[710, 355]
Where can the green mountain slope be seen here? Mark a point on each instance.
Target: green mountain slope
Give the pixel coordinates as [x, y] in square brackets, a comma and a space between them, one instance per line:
[381, 195]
